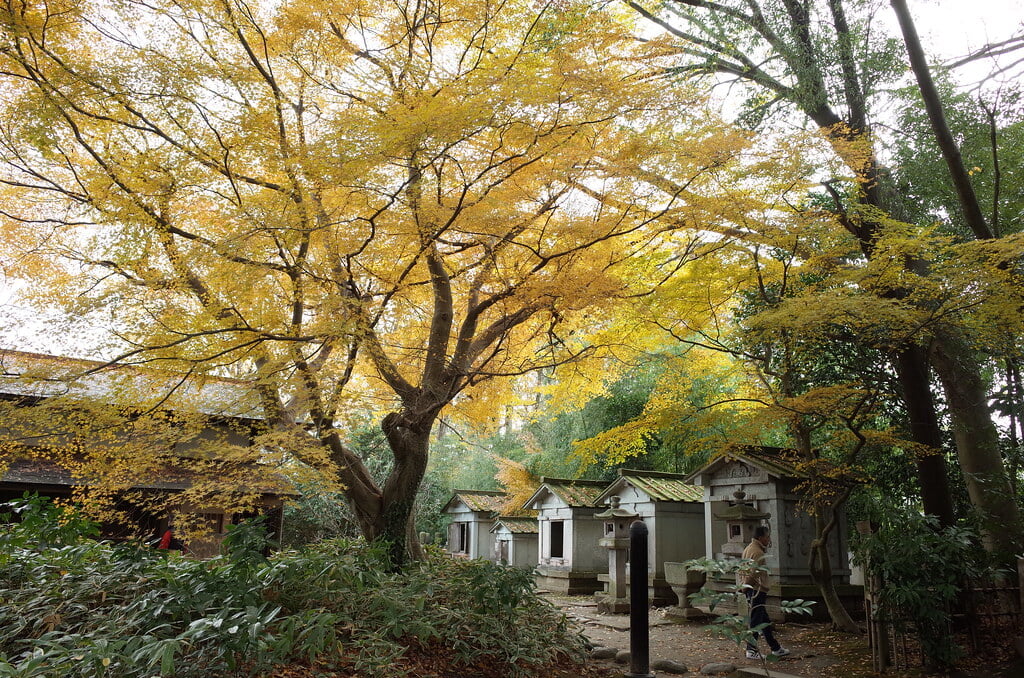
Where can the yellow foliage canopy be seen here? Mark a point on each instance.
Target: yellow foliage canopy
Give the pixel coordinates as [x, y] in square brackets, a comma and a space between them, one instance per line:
[363, 207]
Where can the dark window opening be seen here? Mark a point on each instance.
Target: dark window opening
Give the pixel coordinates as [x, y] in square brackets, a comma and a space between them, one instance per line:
[462, 538]
[557, 543]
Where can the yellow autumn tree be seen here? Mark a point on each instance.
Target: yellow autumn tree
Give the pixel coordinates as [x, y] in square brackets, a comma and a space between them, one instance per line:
[369, 209]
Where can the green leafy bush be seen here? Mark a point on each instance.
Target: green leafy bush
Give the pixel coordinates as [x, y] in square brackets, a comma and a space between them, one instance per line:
[923, 568]
[77, 607]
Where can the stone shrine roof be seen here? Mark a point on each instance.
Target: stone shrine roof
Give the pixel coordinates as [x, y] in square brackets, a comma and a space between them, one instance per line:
[773, 460]
[777, 462]
[660, 486]
[575, 493]
[491, 501]
[516, 525]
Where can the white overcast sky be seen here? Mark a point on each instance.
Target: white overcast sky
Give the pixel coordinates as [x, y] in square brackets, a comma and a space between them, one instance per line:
[954, 28]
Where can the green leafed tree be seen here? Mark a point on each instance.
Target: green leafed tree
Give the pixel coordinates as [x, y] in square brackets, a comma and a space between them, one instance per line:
[829, 60]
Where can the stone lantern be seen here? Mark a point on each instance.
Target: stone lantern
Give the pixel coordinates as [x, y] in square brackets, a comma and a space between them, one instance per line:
[616, 540]
[740, 520]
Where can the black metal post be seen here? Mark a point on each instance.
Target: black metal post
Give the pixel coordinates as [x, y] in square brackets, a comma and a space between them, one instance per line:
[639, 635]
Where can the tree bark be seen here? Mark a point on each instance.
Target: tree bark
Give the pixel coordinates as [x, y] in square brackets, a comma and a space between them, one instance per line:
[915, 382]
[977, 440]
[409, 439]
[820, 565]
[977, 443]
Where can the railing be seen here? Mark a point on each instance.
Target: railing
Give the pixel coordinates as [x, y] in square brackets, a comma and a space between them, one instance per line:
[985, 620]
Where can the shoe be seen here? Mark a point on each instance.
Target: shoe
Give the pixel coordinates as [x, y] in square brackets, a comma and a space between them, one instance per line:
[754, 654]
[781, 652]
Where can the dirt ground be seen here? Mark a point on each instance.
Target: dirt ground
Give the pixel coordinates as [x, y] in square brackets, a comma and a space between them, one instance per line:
[817, 652]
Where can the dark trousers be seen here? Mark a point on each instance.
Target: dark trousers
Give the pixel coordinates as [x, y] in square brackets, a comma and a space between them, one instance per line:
[756, 604]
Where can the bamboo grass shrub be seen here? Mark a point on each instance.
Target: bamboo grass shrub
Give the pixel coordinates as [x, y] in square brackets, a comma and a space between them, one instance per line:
[73, 606]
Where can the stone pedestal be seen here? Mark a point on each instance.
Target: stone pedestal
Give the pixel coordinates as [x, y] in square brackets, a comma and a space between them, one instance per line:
[614, 599]
[684, 583]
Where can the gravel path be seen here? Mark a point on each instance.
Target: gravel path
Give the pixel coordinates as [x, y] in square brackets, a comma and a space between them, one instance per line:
[694, 646]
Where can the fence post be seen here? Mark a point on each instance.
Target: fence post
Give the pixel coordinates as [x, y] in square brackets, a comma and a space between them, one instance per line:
[1020, 583]
[1020, 610]
[878, 627]
[639, 635]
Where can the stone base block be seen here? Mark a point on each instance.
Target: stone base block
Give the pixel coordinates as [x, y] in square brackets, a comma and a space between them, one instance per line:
[609, 605]
[659, 593]
[568, 583]
[681, 614]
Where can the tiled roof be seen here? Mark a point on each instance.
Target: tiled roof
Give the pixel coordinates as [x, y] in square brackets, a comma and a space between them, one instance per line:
[777, 461]
[780, 462]
[37, 375]
[34, 472]
[663, 486]
[479, 500]
[575, 492]
[772, 460]
[517, 525]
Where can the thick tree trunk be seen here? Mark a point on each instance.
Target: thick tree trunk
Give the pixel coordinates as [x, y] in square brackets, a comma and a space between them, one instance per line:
[915, 382]
[409, 438]
[977, 440]
[911, 362]
[977, 443]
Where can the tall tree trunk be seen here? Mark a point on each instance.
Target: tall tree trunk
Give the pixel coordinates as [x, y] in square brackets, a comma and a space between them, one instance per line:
[940, 128]
[915, 382]
[977, 443]
[1015, 407]
[977, 440]
[808, 60]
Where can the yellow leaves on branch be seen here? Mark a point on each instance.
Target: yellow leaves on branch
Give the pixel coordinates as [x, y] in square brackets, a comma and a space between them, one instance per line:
[220, 179]
[517, 482]
[697, 401]
[971, 284]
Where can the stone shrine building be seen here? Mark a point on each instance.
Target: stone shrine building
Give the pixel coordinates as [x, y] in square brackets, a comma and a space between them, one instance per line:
[473, 513]
[515, 539]
[674, 513]
[570, 558]
[762, 485]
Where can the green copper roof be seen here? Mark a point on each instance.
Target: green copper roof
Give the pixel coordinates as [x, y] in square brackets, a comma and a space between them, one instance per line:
[480, 500]
[517, 525]
[575, 492]
[663, 486]
[779, 463]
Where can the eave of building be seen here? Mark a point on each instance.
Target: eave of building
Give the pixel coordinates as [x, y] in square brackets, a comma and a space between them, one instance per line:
[488, 501]
[657, 485]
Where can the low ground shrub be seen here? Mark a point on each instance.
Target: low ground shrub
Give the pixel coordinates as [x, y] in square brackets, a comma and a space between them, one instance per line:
[73, 606]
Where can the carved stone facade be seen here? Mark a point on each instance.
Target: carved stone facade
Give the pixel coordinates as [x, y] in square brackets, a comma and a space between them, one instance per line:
[770, 484]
